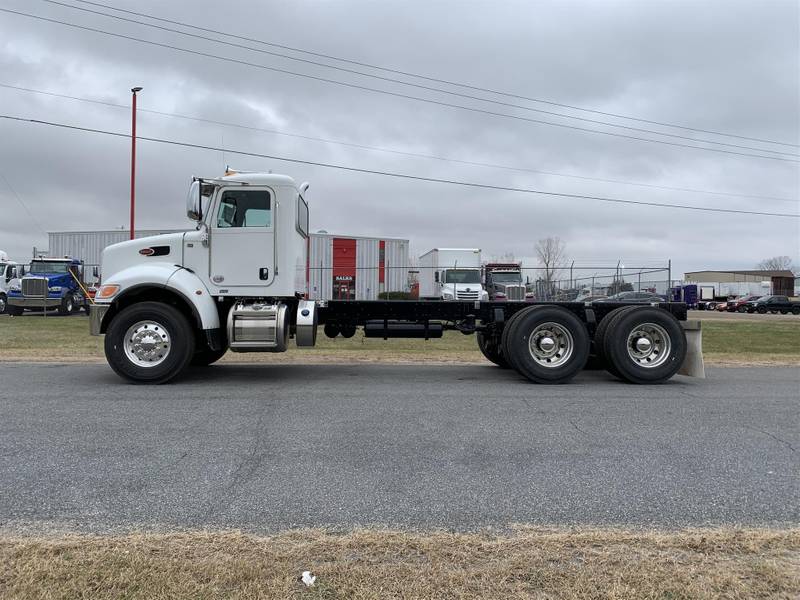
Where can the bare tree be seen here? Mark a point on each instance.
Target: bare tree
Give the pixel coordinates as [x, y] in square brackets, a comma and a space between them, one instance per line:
[776, 263]
[551, 252]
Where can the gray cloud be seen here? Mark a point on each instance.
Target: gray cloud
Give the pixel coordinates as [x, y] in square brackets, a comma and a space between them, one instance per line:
[727, 66]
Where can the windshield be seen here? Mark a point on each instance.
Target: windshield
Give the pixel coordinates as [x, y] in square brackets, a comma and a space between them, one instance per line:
[506, 277]
[462, 276]
[46, 266]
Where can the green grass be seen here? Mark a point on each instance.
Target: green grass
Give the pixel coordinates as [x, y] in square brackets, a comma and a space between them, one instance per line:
[35, 337]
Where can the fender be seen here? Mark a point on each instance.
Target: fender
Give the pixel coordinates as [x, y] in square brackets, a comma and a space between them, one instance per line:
[174, 278]
[191, 287]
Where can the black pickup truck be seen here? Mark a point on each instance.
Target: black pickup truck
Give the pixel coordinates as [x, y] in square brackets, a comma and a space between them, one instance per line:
[774, 304]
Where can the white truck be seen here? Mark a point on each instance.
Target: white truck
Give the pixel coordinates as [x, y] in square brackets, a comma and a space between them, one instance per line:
[9, 277]
[451, 274]
[239, 282]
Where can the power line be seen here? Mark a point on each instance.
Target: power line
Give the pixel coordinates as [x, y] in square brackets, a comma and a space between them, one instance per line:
[434, 79]
[22, 204]
[415, 85]
[400, 152]
[389, 93]
[399, 175]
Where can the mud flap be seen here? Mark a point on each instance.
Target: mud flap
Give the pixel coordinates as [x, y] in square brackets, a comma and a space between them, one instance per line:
[693, 365]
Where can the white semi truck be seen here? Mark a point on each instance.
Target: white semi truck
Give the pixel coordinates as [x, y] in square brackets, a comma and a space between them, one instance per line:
[238, 282]
[10, 273]
[451, 274]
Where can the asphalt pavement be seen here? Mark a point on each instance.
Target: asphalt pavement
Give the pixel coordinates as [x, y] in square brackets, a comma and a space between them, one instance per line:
[269, 447]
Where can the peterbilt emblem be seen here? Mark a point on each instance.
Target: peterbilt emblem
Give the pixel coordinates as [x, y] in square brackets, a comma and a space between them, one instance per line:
[217, 279]
[469, 290]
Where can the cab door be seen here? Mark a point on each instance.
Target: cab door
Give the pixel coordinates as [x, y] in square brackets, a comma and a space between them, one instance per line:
[242, 240]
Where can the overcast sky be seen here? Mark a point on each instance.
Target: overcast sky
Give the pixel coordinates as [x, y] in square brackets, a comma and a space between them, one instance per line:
[724, 66]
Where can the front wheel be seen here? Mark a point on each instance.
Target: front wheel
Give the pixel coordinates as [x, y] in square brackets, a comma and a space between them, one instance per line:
[796, 310]
[2, 304]
[762, 310]
[149, 342]
[67, 305]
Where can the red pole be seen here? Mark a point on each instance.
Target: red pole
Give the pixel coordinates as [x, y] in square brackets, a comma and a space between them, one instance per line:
[133, 158]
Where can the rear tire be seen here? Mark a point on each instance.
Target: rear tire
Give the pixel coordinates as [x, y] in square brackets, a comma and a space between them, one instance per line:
[14, 311]
[547, 344]
[490, 348]
[796, 310]
[646, 345]
[600, 336]
[149, 342]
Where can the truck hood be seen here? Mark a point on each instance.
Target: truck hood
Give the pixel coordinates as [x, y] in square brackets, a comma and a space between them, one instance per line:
[167, 247]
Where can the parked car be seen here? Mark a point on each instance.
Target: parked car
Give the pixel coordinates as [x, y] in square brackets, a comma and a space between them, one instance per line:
[774, 304]
[634, 298]
[590, 298]
[740, 304]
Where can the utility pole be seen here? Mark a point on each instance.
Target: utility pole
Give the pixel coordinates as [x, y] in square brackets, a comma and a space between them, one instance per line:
[133, 159]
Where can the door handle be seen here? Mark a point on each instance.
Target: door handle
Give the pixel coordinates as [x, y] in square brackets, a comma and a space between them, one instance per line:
[263, 273]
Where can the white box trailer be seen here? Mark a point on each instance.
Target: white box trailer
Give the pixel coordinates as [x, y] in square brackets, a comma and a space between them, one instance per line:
[451, 274]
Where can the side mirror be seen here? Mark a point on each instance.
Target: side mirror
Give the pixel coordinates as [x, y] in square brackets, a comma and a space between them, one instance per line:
[95, 272]
[194, 202]
[436, 276]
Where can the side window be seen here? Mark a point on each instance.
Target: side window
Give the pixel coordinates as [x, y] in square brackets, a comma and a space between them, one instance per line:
[245, 208]
[302, 216]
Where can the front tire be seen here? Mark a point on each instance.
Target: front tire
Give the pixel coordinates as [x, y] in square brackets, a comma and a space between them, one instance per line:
[67, 306]
[3, 304]
[149, 342]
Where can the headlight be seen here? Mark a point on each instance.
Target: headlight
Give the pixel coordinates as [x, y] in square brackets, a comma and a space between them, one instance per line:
[485, 295]
[107, 291]
[447, 295]
[55, 288]
[14, 287]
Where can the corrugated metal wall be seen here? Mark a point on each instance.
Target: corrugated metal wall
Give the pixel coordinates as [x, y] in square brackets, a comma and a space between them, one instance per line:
[320, 267]
[367, 269]
[397, 266]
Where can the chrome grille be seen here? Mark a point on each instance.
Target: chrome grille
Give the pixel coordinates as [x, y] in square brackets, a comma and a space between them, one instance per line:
[515, 292]
[36, 287]
[471, 295]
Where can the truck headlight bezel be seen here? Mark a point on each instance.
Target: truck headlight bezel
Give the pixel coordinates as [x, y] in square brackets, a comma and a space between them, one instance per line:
[107, 291]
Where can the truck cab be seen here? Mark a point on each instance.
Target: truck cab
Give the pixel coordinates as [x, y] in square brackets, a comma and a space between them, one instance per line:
[49, 283]
[503, 281]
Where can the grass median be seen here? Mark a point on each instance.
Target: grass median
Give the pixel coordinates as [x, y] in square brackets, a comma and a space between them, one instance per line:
[33, 337]
[523, 563]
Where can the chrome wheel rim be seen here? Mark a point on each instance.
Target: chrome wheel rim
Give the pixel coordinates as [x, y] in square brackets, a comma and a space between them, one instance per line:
[551, 345]
[649, 345]
[147, 344]
[2, 305]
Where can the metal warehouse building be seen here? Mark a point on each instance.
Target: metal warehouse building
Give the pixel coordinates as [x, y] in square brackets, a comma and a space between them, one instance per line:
[776, 282]
[339, 267]
[356, 268]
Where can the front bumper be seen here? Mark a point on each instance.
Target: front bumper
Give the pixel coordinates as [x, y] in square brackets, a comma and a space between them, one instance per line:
[33, 302]
[96, 314]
